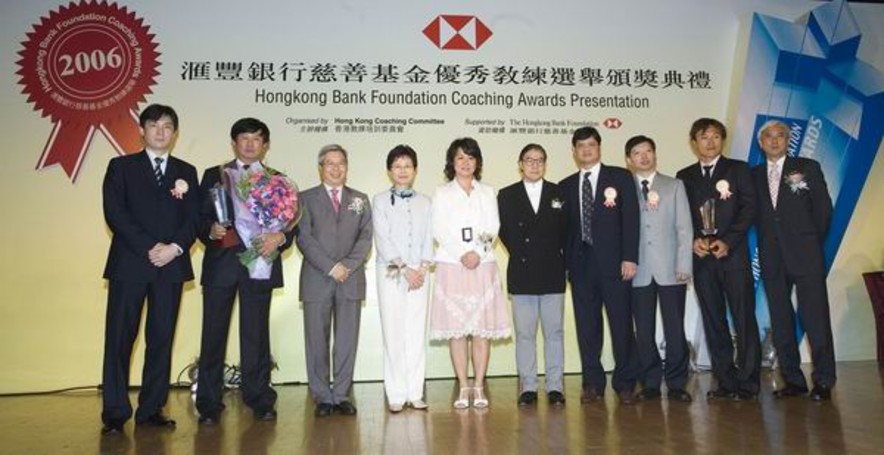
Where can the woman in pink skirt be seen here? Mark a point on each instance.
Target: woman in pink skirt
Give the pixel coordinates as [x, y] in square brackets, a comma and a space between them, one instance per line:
[469, 308]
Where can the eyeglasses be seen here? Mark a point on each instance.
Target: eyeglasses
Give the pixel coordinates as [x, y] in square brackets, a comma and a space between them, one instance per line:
[534, 161]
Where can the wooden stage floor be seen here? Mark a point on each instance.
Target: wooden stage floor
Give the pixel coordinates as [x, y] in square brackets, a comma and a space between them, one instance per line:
[853, 422]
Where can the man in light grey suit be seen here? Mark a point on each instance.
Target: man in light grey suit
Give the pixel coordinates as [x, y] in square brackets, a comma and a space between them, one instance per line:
[664, 267]
[335, 238]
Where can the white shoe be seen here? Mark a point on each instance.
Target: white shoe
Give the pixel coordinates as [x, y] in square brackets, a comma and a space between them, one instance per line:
[480, 401]
[463, 399]
[419, 404]
[396, 407]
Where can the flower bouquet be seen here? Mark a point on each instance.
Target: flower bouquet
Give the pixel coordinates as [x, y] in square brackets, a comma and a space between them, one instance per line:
[265, 201]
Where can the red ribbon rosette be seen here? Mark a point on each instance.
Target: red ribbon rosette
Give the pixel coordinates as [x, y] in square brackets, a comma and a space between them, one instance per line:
[87, 66]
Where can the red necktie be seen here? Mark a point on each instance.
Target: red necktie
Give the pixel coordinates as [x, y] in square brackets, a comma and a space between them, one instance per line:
[336, 203]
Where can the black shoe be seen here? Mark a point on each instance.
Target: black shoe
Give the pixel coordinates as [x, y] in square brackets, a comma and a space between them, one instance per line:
[323, 410]
[209, 419]
[679, 395]
[649, 394]
[556, 398]
[590, 393]
[745, 395]
[265, 415]
[790, 390]
[821, 393]
[626, 397]
[113, 427]
[721, 394]
[527, 398]
[346, 408]
[156, 420]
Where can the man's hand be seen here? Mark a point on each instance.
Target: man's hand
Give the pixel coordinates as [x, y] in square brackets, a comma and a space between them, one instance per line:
[701, 247]
[682, 277]
[627, 270]
[719, 249]
[340, 273]
[162, 254]
[217, 232]
[470, 260]
[270, 242]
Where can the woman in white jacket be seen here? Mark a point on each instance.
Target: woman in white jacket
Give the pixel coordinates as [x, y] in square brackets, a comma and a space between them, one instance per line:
[469, 308]
[404, 251]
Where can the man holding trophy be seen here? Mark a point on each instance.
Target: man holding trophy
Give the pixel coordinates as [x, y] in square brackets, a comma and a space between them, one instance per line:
[242, 257]
[722, 200]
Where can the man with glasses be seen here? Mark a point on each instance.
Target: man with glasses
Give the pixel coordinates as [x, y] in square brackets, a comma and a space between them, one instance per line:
[532, 224]
[334, 235]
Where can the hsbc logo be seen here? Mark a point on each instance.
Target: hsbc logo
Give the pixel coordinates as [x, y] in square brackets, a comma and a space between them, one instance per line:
[457, 32]
[612, 123]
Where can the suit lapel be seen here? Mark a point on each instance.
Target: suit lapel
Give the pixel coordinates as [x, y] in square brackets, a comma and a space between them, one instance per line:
[601, 184]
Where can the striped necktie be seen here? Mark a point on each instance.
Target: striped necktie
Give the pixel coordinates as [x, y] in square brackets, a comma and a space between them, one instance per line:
[158, 170]
[587, 209]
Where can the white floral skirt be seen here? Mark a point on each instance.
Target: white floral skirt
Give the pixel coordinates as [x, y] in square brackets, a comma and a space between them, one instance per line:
[469, 303]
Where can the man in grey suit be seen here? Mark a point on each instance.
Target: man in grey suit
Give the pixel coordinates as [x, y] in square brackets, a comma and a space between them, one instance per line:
[664, 267]
[335, 238]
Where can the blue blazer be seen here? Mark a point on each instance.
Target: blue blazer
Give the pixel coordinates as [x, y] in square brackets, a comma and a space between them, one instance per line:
[140, 214]
[615, 230]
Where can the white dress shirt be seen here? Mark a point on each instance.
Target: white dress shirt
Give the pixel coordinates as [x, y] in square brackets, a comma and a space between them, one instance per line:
[534, 190]
[456, 214]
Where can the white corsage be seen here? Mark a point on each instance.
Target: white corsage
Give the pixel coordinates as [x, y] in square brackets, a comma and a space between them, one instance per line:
[557, 204]
[653, 200]
[486, 240]
[610, 194]
[395, 271]
[796, 182]
[724, 189]
[181, 188]
[357, 205]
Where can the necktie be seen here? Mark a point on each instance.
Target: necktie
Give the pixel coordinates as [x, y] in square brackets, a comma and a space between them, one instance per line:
[707, 172]
[587, 209]
[645, 189]
[773, 182]
[336, 202]
[158, 170]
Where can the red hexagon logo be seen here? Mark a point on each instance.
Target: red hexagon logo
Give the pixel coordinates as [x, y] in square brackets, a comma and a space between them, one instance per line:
[612, 123]
[457, 32]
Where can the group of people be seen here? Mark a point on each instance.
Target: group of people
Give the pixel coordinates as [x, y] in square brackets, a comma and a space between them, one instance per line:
[623, 240]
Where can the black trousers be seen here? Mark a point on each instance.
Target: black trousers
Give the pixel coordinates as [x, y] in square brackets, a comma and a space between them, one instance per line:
[254, 345]
[590, 292]
[719, 289]
[125, 301]
[644, 309]
[813, 313]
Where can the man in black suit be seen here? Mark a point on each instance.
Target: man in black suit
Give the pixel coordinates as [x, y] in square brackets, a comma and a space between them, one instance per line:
[152, 214]
[601, 253]
[224, 276]
[532, 227]
[722, 276]
[793, 219]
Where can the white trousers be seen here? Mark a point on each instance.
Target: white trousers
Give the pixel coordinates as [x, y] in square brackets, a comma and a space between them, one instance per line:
[404, 326]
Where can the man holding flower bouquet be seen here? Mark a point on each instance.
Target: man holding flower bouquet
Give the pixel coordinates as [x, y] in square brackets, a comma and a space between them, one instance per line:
[248, 216]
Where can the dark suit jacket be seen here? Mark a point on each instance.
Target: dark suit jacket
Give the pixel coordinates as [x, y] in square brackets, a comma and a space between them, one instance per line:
[221, 266]
[326, 238]
[615, 230]
[140, 215]
[536, 265]
[794, 232]
[733, 215]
